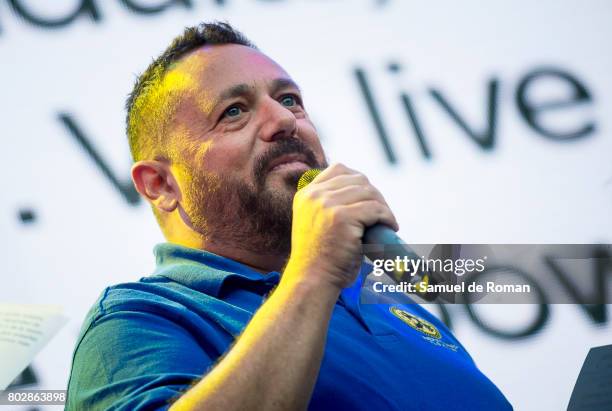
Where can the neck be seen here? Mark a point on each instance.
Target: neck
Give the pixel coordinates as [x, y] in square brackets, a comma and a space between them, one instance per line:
[263, 263]
[177, 231]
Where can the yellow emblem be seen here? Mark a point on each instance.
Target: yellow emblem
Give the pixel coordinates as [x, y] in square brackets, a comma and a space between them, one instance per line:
[415, 322]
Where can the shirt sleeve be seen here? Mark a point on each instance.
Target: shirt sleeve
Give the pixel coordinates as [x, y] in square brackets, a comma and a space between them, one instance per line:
[132, 360]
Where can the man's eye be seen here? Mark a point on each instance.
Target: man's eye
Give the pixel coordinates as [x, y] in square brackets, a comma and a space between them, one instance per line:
[288, 101]
[233, 111]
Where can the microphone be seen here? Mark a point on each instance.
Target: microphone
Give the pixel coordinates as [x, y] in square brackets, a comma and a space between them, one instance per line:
[381, 242]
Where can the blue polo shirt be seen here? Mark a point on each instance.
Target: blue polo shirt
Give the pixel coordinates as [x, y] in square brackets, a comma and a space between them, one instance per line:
[144, 343]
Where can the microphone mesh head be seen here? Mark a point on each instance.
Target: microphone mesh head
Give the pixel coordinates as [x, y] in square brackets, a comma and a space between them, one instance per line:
[307, 177]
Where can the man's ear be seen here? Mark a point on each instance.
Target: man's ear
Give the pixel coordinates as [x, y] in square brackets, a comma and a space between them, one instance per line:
[154, 181]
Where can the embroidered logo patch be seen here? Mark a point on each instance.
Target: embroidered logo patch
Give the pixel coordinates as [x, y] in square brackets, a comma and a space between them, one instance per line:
[415, 322]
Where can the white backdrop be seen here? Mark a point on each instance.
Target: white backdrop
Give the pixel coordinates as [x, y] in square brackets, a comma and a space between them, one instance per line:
[525, 188]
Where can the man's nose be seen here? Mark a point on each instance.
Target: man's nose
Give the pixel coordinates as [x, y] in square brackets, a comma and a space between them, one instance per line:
[277, 120]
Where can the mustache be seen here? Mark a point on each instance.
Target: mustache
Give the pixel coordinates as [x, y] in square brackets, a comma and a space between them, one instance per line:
[282, 147]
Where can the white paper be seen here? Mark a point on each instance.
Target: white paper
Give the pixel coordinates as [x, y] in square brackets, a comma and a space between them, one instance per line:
[24, 330]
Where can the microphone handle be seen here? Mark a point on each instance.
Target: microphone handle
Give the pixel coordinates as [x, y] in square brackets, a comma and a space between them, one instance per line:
[381, 241]
[381, 234]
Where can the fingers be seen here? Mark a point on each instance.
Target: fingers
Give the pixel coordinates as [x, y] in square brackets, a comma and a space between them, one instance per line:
[341, 181]
[332, 171]
[371, 212]
[333, 212]
[356, 193]
[339, 186]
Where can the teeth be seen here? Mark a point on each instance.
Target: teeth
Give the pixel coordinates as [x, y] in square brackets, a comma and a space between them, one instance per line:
[289, 163]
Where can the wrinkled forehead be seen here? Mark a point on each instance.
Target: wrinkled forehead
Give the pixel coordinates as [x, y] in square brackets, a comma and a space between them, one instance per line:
[210, 70]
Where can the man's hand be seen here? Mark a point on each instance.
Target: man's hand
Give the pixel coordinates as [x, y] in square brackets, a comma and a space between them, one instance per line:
[330, 216]
[275, 362]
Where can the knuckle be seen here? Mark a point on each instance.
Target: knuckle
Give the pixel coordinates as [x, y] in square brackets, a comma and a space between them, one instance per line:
[325, 202]
[337, 167]
[364, 179]
[381, 209]
[371, 190]
[340, 168]
[312, 195]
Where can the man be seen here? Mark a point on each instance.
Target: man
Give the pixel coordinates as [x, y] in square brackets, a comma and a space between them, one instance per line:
[255, 303]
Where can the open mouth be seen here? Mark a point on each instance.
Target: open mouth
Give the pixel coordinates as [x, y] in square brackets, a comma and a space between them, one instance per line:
[287, 162]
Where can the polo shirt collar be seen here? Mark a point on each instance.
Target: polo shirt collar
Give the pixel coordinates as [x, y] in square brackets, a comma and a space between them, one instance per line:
[207, 272]
[204, 271]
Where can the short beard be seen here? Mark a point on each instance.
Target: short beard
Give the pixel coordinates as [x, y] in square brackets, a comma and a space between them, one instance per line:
[250, 217]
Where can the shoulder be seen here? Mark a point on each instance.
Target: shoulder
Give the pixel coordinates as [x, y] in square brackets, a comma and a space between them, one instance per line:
[154, 295]
[139, 335]
[138, 309]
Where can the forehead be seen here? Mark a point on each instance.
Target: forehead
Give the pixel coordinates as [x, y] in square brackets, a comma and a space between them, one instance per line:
[213, 69]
